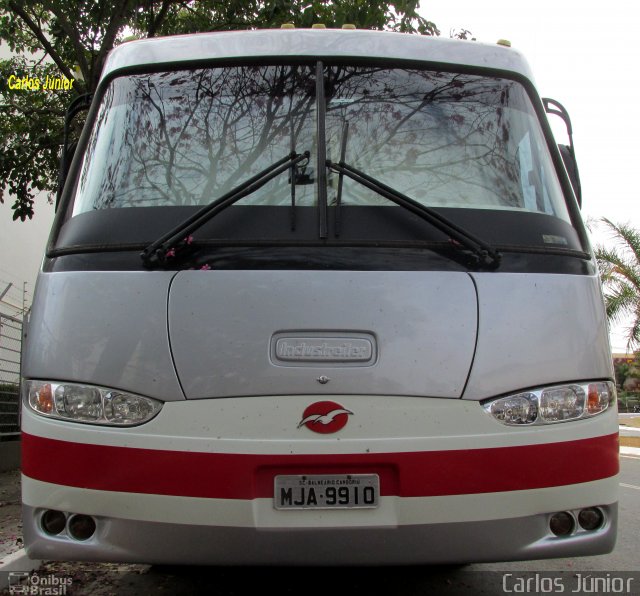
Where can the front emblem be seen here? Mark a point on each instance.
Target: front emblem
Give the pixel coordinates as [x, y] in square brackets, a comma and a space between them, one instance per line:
[325, 417]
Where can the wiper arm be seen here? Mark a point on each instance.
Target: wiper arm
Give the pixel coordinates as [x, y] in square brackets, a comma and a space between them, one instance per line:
[487, 256]
[156, 252]
[343, 154]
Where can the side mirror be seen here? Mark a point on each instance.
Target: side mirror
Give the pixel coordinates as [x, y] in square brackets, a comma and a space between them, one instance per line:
[567, 152]
[78, 105]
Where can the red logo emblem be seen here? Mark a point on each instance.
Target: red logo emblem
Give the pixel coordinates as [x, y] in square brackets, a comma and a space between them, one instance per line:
[325, 417]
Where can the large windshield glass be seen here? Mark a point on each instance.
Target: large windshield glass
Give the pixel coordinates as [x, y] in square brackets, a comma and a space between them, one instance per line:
[450, 140]
[185, 137]
[165, 144]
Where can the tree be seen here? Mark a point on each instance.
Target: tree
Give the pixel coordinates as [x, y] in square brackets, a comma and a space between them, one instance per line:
[620, 273]
[72, 39]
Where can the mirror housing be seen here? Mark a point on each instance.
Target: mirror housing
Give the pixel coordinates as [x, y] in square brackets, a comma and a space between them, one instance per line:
[567, 152]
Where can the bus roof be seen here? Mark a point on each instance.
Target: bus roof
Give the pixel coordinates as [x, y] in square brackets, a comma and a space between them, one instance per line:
[314, 42]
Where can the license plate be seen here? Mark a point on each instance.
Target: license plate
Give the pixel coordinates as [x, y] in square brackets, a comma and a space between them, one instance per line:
[335, 491]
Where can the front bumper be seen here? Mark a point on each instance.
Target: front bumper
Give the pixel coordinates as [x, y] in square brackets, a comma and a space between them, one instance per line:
[123, 540]
[195, 485]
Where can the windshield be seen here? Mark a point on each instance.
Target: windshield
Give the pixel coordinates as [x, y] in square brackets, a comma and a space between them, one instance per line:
[464, 144]
[451, 140]
[183, 138]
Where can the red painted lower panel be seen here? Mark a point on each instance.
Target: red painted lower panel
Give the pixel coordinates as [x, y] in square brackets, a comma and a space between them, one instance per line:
[249, 476]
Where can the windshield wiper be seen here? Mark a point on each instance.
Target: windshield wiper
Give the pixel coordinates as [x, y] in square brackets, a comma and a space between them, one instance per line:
[343, 154]
[156, 252]
[485, 255]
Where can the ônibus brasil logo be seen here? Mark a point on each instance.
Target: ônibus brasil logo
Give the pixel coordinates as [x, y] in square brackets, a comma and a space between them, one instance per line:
[325, 417]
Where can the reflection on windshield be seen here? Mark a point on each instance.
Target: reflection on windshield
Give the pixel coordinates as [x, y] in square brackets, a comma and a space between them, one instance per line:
[444, 139]
[184, 138]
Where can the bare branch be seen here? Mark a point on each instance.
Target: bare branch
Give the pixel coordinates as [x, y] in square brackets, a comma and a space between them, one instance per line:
[72, 34]
[40, 36]
[115, 24]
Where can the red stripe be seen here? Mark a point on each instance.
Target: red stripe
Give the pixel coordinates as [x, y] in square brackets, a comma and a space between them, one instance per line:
[248, 476]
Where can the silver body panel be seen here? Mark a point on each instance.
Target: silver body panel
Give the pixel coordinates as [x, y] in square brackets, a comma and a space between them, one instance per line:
[104, 328]
[538, 329]
[221, 326]
[110, 328]
[308, 42]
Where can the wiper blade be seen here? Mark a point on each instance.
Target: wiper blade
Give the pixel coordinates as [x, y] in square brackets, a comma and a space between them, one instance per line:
[486, 255]
[156, 252]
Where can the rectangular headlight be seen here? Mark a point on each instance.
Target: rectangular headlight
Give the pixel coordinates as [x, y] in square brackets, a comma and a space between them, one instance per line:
[87, 403]
[549, 405]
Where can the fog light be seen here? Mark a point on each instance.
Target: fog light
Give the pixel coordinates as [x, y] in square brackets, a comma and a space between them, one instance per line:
[53, 522]
[562, 524]
[81, 527]
[591, 518]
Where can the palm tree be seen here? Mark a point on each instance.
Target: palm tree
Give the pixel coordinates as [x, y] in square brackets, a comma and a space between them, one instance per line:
[620, 273]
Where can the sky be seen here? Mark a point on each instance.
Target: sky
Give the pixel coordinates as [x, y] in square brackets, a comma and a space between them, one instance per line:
[584, 58]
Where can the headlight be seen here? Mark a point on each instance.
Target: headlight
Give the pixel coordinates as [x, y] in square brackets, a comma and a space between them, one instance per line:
[549, 405]
[86, 403]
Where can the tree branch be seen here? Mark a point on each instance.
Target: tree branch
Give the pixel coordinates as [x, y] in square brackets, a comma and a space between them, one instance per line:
[73, 38]
[116, 22]
[156, 21]
[40, 36]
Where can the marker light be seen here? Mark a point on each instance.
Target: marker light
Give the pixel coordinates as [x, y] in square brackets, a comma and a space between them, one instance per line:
[41, 400]
[87, 403]
[550, 405]
[599, 397]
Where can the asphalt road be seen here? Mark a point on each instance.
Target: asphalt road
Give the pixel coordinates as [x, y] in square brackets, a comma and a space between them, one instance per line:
[620, 568]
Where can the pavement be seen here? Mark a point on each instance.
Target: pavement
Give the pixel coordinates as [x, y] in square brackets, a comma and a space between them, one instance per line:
[10, 514]
[14, 558]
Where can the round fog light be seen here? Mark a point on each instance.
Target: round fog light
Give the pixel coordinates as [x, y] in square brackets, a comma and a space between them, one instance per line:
[591, 518]
[53, 522]
[82, 527]
[561, 524]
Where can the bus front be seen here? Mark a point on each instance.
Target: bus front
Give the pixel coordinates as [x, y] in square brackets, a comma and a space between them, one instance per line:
[317, 297]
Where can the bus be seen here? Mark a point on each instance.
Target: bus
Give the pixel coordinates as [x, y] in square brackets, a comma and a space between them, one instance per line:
[318, 297]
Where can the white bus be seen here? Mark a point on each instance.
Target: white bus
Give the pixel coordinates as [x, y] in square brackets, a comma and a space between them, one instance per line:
[318, 297]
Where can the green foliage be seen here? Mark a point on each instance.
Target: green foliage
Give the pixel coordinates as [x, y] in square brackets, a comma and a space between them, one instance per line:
[30, 133]
[12, 388]
[620, 274]
[54, 37]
